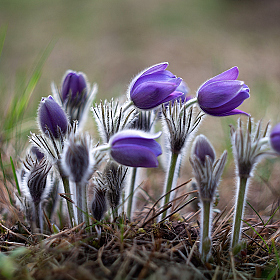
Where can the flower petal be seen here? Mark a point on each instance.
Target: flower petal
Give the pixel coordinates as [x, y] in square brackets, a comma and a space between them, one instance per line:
[275, 138]
[149, 95]
[134, 156]
[175, 95]
[155, 68]
[230, 74]
[161, 76]
[150, 144]
[218, 93]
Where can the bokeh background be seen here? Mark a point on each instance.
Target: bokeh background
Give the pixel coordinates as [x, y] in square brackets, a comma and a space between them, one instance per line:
[112, 40]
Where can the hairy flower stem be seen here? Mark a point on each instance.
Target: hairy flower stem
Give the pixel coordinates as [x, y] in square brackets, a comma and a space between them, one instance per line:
[131, 192]
[205, 230]
[171, 179]
[239, 209]
[86, 215]
[81, 202]
[38, 217]
[65, 181]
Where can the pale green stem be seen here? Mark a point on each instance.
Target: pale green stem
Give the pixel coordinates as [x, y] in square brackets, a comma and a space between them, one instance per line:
[101, 148]
[131, 191]
[171, 177]
[80, 196]
[65, 181]
[127, 106]
[37, 217]
[205, 242]
[86, 215]
[239, 209]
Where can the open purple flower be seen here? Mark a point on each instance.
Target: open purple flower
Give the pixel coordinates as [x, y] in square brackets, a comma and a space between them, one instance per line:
[153, 87]
[275, 138]
[220, 95]
[74, 87]
[135, 148]
[52, 117]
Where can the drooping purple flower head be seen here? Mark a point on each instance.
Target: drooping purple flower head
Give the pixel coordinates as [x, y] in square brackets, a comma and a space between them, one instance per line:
[52, 117]
[135, 148]
[153, 87]
[202, 148]
[222, 94]
[275, 138]
[74, 87]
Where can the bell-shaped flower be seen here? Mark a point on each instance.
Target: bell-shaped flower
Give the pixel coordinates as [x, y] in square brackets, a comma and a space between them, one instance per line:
[275, 138]
[153, 87]
[74, 87]
[135, 148]
[222, 94]
[52, 118]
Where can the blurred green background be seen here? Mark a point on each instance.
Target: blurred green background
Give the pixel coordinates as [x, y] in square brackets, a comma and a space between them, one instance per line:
[112, 40]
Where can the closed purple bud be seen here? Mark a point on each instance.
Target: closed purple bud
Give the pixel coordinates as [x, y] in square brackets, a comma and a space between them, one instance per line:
[222, 94]
[203, 148]
[74, 87]
[153, 87]
[52, 117]
[275, 138]
[135, 148]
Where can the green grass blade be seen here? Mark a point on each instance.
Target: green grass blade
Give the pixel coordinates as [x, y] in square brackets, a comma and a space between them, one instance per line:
[272, 215]
[20, 102]
[5, 179]
[259, 236]
[274, 271]
[255, 212]
[15, 176]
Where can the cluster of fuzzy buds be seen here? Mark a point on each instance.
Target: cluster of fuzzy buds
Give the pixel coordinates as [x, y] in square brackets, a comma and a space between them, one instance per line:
[125, 133]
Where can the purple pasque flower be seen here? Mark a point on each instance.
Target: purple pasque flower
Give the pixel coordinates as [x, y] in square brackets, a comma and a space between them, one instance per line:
[135, 148]
[74, 87]
[51, 117]
[220, 95]
[153, 87]
[275, 138]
